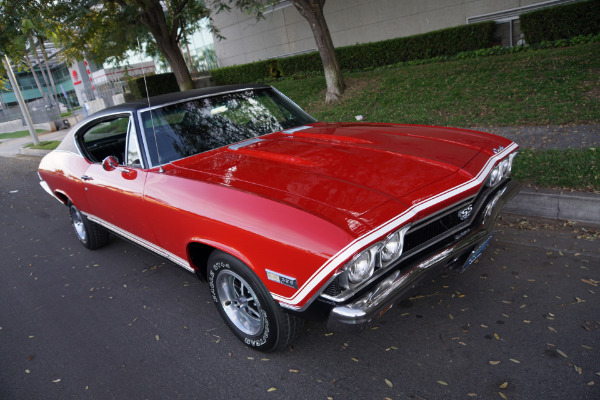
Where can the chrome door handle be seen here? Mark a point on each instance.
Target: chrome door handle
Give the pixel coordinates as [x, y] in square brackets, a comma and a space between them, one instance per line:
[87, 178]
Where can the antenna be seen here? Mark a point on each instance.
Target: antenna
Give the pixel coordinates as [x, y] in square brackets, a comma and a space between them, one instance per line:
[160, 168]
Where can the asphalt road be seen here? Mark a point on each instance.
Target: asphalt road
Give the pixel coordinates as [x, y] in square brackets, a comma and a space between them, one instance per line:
[120, 323]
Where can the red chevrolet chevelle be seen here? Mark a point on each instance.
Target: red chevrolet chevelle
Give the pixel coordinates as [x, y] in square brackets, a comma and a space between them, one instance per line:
[284, 217]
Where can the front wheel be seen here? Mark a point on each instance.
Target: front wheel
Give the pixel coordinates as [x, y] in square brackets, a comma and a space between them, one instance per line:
[247, 307]
[89, 234]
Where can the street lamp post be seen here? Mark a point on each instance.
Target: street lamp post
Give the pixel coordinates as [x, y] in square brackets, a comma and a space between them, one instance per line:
[22, 105]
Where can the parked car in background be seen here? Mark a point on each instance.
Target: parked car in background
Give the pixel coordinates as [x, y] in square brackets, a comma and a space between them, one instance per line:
[39, 106]
[285, 217]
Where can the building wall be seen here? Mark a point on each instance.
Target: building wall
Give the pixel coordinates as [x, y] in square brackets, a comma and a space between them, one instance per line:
[285, 32]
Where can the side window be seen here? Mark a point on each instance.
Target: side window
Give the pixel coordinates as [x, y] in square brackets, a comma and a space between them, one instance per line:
[134, 158]
[106, 138]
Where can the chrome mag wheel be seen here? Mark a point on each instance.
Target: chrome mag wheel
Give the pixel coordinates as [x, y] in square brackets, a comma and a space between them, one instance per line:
[77, 220]
[240, 303]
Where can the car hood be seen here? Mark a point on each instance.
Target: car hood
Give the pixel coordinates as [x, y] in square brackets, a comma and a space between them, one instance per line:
[352, 168]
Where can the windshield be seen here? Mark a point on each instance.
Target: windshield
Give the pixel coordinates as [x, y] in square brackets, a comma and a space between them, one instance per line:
[195, 126]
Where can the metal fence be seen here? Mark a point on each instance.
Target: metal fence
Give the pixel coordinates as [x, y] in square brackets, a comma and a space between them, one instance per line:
[39, 113]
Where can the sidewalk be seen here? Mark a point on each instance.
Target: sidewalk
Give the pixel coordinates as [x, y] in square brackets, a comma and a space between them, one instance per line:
[546, 203]
[14, 147]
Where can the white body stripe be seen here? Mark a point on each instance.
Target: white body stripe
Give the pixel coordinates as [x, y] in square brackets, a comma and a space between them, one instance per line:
[352, 248]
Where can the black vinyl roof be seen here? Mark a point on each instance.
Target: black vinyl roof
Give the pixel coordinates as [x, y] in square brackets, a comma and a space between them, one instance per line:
[176, 97]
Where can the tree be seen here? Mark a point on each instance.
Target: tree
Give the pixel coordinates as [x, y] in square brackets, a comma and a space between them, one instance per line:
[30, 30]
[107, 29]
[312, 11]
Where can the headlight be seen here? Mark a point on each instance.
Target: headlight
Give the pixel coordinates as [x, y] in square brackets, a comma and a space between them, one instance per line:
[380, 255]
[392, 248]
[361, 267]
[501, 171]
[494, 177]
[511, 158]
[504, 167]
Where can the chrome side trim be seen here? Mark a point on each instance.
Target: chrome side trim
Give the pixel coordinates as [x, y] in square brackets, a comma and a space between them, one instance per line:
[142, 242]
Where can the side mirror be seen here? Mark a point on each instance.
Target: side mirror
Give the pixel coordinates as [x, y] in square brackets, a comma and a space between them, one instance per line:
[110, 163]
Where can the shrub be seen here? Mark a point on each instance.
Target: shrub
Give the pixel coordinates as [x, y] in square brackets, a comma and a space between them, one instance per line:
[157, 84]
[253, 72]
[561, 22]
[368, 55]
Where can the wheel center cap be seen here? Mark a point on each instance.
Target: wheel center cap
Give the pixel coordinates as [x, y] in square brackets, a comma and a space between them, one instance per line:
[241, 302]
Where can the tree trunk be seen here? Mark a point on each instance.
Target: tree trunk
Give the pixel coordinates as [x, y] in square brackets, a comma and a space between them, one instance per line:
[35, 77]
[45, 56]
[173, 55]
[166, 37]
[312, 10]
[43, 74]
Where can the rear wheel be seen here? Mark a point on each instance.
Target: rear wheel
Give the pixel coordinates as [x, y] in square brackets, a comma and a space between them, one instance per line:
[89, 234]
[247, 307]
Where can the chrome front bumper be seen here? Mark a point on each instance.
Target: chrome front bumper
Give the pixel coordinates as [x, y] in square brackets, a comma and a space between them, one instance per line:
[363, 311]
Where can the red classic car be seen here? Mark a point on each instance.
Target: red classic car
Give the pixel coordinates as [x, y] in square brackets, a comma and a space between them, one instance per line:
[284, 216]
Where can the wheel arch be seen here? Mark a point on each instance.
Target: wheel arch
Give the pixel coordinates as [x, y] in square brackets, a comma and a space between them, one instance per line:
[200, 250]
[63, 198]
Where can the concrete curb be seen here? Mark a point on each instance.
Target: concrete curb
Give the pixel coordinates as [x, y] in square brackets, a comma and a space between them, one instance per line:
[33, 152]
[554, 204]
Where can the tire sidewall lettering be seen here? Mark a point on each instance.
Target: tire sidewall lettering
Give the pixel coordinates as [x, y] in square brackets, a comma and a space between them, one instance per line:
[264, 337]
[265, 334]
[211, 278]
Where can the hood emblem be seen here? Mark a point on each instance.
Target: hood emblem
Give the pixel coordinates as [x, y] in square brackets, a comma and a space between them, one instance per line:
[498, 150]
[465, 212]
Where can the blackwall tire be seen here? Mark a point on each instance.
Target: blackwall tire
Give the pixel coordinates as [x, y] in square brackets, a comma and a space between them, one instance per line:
[89, 234]
[247, 307]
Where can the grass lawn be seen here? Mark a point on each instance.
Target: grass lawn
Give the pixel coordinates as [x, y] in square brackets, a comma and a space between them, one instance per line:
[44, 145]
[18, 134]
[560, 169]
[546, 87]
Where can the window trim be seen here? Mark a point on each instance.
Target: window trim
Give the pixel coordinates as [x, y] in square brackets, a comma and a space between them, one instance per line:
[91, 124]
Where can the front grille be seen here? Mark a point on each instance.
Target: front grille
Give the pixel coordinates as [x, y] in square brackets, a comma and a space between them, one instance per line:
[436, 229]
[334, 288]
[430, 230]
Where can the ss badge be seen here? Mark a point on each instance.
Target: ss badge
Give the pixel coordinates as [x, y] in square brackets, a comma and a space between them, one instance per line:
[465, 212]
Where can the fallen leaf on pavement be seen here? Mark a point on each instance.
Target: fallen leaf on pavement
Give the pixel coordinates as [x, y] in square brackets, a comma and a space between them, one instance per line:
[562, 353]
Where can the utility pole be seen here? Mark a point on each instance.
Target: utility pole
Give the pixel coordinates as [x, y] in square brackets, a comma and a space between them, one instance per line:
[22, 105]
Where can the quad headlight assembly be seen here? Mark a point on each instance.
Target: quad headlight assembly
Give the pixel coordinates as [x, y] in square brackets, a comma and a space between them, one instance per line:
[501, 170]
[376, 257]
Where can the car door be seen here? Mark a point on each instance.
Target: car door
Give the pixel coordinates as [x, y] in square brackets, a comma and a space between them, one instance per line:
[116, 195]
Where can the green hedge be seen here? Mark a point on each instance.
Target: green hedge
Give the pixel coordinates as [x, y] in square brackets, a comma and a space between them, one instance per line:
[392, 51]
[245, 73]
[367, 55]
[561, 22]
[157, 84]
